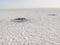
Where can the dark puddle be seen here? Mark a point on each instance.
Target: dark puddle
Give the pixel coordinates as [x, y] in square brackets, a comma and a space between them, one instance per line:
[20, 20]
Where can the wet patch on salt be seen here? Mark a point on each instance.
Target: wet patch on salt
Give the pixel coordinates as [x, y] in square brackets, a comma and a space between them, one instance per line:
[52, 15]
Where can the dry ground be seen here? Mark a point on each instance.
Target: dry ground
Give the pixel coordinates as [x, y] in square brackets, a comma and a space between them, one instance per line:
[41, 29]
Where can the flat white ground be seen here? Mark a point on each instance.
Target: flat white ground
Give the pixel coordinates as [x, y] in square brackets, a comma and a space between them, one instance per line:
[41, 28]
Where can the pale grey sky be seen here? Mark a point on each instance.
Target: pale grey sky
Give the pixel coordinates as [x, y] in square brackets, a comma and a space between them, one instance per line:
[29, 3]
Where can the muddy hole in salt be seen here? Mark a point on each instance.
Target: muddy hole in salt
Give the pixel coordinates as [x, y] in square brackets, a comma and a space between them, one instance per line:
[19, 20]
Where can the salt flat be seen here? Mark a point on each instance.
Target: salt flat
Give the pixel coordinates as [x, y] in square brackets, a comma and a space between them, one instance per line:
[40, 29]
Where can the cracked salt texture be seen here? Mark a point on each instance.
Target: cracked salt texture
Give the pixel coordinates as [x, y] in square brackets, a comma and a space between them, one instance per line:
[41, 30]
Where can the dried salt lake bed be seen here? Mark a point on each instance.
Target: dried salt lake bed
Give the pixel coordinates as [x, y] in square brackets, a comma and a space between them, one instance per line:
[42, 27]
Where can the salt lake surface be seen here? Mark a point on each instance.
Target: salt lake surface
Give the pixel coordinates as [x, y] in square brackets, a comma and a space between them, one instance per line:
[42, 27]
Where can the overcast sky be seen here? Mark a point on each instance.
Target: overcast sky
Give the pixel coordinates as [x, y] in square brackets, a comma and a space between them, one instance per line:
[29, 4]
